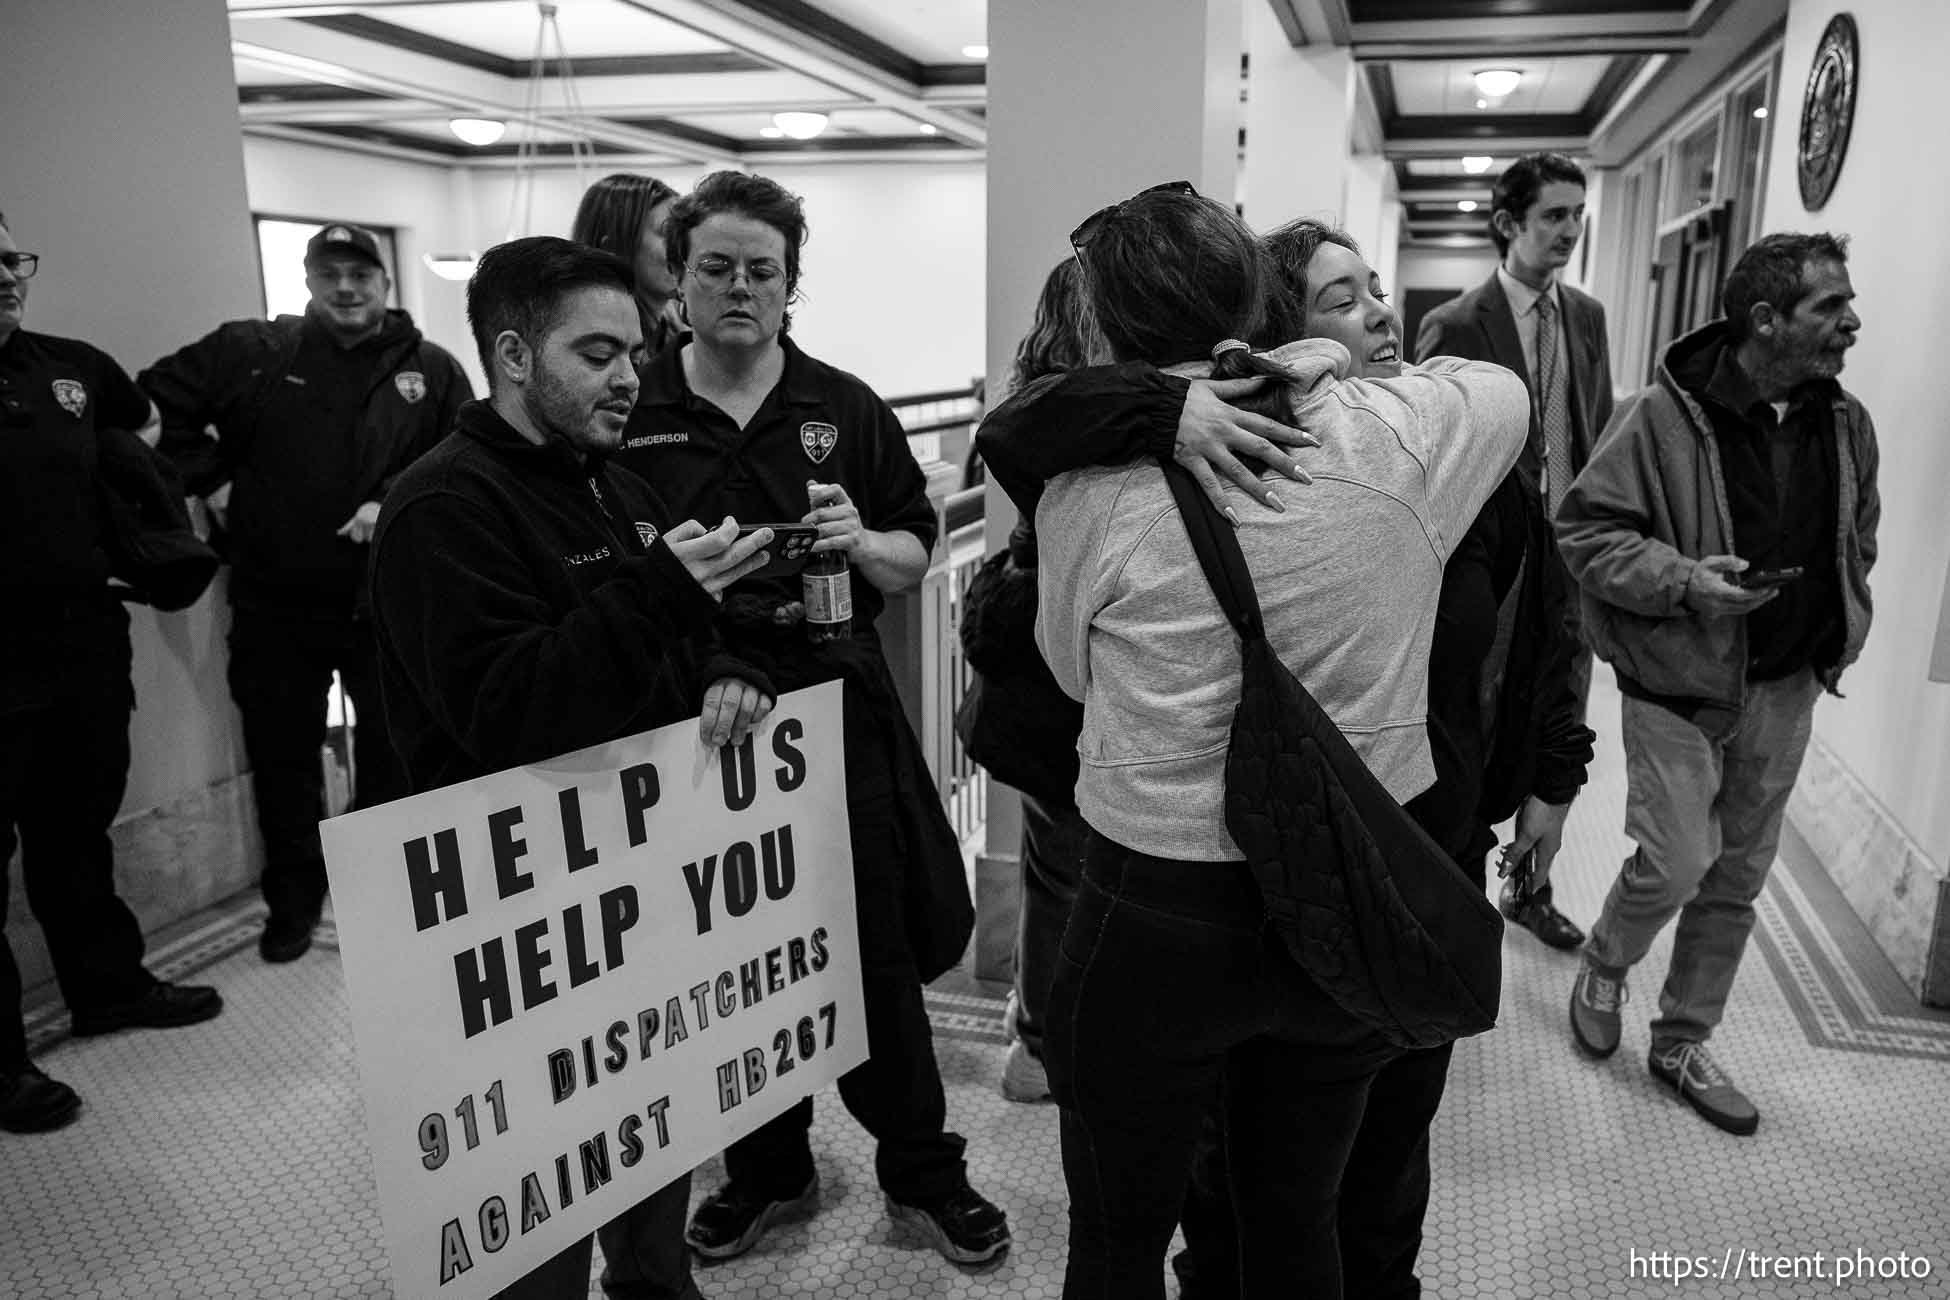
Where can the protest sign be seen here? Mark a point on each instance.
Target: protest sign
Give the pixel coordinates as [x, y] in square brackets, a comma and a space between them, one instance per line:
[571, 982]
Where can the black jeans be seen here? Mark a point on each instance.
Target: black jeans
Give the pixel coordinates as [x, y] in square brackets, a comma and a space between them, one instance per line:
[644, 1256]
[1054, 836]
[63, 767]
[896, 1094]
[1384, 1192]
[1170, 992]
[281, 667]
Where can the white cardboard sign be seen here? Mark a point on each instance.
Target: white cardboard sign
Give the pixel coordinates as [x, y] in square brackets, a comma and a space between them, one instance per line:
[574, 981]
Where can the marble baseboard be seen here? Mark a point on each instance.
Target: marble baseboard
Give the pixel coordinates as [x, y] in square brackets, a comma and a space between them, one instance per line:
[1900, 893]
[998, 908]
[170, 862]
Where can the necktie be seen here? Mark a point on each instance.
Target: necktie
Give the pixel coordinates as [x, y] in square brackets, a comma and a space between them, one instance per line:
[1554, 402]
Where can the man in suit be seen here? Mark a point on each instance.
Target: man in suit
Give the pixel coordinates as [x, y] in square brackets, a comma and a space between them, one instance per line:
[1554, 336]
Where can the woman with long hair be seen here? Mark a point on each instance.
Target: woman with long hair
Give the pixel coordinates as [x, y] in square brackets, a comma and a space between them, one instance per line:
[1172, 993]
[1523, 752]
[1022, 727]
[623, 214]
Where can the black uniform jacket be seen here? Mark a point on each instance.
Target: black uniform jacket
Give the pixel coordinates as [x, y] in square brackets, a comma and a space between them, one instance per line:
[306, 433]
[819, 422]
[59, 398]
[1501, 727]
[525, 606]
[822, 423]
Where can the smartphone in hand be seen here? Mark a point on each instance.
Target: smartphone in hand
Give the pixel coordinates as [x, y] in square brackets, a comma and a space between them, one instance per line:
[1522, 877]
[1763, 579]
[790, 548]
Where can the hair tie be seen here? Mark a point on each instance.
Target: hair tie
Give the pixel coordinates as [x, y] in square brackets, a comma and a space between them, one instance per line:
[1224, 346]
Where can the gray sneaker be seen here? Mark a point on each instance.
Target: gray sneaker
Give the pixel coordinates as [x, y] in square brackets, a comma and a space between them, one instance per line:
[1703, 1085]
[1595, 999]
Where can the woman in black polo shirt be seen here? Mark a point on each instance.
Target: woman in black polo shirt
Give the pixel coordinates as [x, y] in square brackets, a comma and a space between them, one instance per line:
[735, 419]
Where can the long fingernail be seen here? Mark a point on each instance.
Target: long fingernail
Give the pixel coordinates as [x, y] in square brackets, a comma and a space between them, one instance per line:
[1232, 515]
[1275, 502]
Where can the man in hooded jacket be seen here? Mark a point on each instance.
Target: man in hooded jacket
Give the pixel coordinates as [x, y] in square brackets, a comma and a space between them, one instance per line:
[1722, 532]
[313, 418]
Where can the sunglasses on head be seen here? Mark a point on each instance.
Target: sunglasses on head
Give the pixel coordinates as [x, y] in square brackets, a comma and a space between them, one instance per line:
[1094, 223]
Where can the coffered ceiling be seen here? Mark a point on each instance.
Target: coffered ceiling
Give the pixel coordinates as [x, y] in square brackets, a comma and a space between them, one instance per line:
[686, 82]
[650, 81]
[1581, 62]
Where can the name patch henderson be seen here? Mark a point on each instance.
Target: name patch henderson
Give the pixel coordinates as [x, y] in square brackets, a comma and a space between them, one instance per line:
[573, 981]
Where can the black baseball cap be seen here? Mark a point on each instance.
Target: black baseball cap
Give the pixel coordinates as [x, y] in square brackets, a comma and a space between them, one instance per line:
[340, 238]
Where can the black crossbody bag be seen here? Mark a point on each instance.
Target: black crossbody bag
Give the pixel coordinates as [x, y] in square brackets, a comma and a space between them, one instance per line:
[1368, 905]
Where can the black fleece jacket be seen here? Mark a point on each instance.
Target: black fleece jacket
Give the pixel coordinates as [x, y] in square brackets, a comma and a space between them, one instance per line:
[306, 432]
[526, 606]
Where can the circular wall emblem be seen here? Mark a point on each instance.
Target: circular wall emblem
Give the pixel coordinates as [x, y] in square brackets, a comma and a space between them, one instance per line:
[1828, 110]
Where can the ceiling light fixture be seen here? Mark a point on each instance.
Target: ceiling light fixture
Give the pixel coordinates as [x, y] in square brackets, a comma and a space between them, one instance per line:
[1761, 111]
[528, 150]
[974, 51]
[800, 126]
[929, 128]
[450, 266]
[1495, 83]
[1466, 205]
[771, 133]
[1476, 163]
[477, 131]
[1482, 103]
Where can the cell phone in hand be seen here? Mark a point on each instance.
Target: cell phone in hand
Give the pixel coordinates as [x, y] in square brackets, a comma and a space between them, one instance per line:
[790, 548]
[1523, 879]
[1762, 579]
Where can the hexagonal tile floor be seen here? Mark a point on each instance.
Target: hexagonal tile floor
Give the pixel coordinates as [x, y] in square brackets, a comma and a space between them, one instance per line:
[226, 1160]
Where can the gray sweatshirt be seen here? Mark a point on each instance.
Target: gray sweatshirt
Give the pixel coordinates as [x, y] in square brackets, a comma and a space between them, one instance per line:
[1347, 577]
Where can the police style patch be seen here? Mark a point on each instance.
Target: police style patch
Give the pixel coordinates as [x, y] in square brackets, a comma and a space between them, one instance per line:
[646, 533]
[412, 385]
[72, 396]
[818, 439]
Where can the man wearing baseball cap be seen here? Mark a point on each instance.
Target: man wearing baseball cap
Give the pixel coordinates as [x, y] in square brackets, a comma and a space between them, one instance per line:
[313, 417]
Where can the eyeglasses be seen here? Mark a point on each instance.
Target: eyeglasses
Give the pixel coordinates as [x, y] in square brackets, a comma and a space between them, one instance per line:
[22, 265]
[718, 274]
[1094, 223]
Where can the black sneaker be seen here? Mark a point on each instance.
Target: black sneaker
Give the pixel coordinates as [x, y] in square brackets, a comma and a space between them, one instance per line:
[286, 938]
[30, 1102]
[164, 1006]
[967, 1228]
[731, 1220]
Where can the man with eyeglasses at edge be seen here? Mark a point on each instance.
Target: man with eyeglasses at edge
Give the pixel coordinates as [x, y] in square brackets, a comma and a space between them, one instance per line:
[314, 417]
[65, 697]
[735, 419]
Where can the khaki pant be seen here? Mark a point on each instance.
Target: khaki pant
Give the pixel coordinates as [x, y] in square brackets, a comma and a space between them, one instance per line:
[1706, 815]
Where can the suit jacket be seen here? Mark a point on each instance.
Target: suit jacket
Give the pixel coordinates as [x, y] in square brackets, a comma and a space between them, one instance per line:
[1479, 325]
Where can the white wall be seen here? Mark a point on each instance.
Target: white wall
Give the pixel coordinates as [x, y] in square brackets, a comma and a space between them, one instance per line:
[123, 171]
[1427, 268]
[1893, 731]
[891, 278]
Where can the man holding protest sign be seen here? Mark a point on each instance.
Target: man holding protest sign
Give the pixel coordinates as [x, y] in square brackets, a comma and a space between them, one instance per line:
[530, 600]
